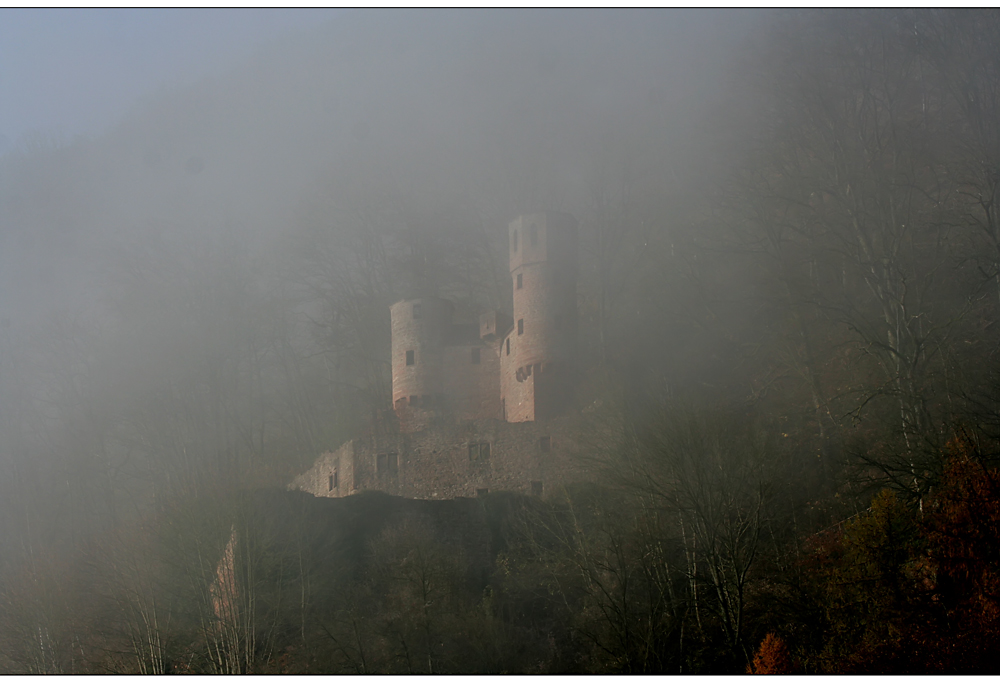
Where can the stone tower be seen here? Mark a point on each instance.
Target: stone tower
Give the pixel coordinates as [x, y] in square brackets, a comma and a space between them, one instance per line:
[538, 356]
[420, 329]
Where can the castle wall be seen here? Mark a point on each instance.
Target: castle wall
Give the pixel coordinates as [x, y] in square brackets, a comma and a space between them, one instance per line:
[472, 390]
[337, 465]
[439, 463]
[517, 392]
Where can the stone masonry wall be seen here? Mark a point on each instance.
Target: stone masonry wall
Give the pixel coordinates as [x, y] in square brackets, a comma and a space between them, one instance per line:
[457, 460]
[472, 390]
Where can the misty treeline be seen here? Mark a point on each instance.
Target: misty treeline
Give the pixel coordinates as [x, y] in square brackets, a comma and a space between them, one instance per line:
[789, 284]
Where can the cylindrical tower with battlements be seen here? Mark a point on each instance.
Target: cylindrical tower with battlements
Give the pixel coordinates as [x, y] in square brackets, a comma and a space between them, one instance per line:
[419, 333]
[538, 357]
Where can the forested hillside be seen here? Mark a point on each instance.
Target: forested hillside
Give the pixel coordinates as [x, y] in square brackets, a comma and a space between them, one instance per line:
[789, 288]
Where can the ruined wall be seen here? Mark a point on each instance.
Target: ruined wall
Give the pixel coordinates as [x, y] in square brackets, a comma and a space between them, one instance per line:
[331, 476]
[462, 460]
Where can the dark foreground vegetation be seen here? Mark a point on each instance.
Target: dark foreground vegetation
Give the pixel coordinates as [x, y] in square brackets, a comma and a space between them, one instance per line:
[790, 287]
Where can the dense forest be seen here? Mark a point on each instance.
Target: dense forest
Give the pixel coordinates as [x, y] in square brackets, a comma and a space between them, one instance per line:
[789, 288]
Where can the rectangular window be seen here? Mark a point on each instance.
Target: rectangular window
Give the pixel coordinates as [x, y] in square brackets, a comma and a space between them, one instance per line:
[520, 326]
[387, 462]
[410, 360]
[508, 346]
[416, 311]
[520, 282]
[330, 484]
[475, 356]
[536, 488]
[479, 451]
[545, 444]
[336, 479]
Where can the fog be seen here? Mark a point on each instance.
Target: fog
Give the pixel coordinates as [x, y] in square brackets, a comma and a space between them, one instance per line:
[788, 241]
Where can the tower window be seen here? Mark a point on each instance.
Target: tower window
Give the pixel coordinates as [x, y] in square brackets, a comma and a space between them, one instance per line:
[520, 283]
[475, 356]
[520, 326]
[545, 444]
[508, 346]
[416, 311]
[330, 484]
[410, 360]
[534, 235]
[336, 479]
[515, 240]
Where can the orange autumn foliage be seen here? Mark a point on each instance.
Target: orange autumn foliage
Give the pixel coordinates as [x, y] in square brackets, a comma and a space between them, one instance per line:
[772, 657]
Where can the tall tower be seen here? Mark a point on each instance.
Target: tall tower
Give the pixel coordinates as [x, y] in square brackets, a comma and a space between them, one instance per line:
[420, 330]
[538, 356]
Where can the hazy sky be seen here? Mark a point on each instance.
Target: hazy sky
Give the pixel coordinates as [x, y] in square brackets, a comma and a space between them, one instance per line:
[66, 72]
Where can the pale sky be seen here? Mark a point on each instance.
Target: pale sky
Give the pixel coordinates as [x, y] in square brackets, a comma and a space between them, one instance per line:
[66, 72]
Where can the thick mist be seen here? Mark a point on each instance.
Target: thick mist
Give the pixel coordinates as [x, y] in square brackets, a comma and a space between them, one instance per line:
[787, 295]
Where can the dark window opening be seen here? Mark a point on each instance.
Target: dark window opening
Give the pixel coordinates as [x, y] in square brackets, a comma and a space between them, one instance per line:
[536, 488]
[515, 240]
[545, 444]
[503, 408]
[534, 235]
[416, 311]
[475, 356]
[330, 484]
[482, 492]
[387, 462]
[414, 400]
[479, 451]
[336, 479]
[410, 360]
[508, 346]
[520, 326]
[520, 281]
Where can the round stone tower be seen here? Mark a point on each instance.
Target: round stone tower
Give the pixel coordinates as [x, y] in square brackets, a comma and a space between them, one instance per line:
[420, 329]
[540, 351]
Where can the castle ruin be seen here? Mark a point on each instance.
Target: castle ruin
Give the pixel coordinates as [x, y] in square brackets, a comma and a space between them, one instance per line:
[478, 409]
